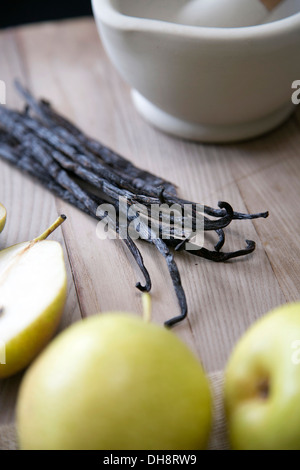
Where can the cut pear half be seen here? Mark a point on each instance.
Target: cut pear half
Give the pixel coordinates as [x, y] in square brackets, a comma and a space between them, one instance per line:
[33, 289]
[2, 217]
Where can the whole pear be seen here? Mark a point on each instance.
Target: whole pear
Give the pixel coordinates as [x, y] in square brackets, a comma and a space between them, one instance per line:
[262, 384]
[115, 381]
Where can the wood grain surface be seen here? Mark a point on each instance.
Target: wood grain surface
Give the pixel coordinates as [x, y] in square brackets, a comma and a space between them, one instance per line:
[64, 62]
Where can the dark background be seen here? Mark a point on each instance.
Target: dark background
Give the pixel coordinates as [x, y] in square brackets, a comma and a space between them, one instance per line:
[18, 12]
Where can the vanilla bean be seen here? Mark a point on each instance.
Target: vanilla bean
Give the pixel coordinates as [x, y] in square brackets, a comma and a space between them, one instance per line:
[221, 241]
[19, 127]
[236, 215]
[220, 212]
[140, 178]
[77, 163]
[176, 279]
[220, 257]
[87, 174]
[34, 169]
[139, 259]
[45, 111]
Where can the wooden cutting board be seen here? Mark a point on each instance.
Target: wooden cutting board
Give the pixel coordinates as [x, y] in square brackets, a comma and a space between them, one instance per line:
[64, 62]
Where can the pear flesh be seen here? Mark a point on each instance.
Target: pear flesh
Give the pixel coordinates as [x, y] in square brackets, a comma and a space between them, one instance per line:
[33, 286]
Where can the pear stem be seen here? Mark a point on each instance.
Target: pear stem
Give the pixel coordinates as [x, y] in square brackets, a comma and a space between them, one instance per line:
[51, 229]
[146, 299]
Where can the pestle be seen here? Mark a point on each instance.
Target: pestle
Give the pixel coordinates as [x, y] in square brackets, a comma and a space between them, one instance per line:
[235, 13]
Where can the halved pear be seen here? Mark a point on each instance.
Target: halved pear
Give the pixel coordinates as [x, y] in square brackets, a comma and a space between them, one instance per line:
[2, 217]
[33, 290]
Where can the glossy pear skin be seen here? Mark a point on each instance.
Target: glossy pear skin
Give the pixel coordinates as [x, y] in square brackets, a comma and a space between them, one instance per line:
[2, 217]
[113, 381]
[262, 384]
[33, 289]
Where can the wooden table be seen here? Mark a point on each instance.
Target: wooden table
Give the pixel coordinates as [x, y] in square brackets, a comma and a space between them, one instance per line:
[64, 62]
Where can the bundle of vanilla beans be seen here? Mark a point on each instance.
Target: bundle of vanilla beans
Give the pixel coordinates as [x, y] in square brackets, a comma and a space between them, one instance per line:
[85, 173]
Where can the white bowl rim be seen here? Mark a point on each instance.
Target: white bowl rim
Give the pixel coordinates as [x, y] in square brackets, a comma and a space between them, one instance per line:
[109, 15]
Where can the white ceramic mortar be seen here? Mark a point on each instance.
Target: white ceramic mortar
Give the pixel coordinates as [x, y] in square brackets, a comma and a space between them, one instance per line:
[201, 83]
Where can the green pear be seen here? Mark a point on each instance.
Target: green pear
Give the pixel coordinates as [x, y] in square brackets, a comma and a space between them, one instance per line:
[2, 217]
[33, 285]
[262, 384]
[115, 381]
